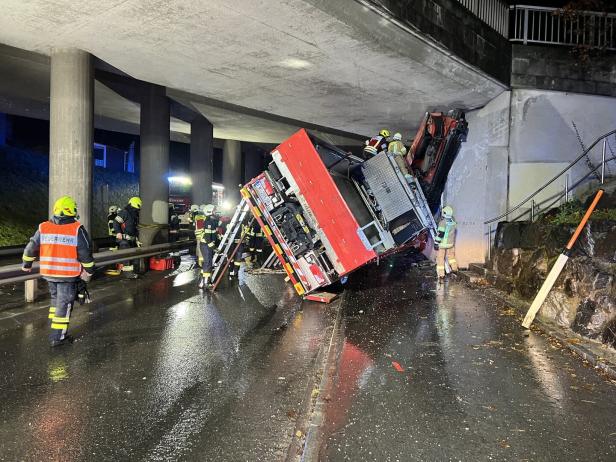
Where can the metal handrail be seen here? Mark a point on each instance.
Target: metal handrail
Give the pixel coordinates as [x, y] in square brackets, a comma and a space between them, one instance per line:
[10, 274]
[543, 25]
[557, 176]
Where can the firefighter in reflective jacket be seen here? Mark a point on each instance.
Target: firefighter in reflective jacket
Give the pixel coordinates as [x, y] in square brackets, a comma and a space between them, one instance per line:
[111, 216]
[398, 150]
[113, 213]
[127, 232]
[445, 243]
[206, 225]
[376, 144]
[256, 238]
[65, 252]
[242, 239]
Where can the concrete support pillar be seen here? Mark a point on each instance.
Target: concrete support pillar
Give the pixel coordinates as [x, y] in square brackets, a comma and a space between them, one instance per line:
[71, 129]
[232, 170]
[253, 161]
[201, 160]
[154, 163]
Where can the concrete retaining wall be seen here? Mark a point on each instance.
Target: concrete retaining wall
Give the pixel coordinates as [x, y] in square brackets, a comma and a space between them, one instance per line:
[529, 133]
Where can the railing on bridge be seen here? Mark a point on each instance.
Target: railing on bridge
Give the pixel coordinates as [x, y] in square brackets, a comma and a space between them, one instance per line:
[554, 26]
[495, 13]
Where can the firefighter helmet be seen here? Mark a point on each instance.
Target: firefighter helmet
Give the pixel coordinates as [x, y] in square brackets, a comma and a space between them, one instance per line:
[65, 207]
[114, 209]
[135, 202]
[447, 211]
[397, 137]
[384, 133]
[194, 208]
[208, 209]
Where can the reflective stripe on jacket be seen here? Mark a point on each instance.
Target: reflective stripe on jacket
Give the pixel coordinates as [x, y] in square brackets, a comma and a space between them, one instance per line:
[58, 251]
[446, 236]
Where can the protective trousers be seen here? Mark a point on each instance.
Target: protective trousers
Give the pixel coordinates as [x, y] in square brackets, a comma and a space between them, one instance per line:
[446, 255]
[205, 260]
[129, 266]
[234, 267]
[62, 299]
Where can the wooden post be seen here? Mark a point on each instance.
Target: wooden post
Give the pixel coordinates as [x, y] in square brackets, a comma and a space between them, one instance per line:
[558, 266]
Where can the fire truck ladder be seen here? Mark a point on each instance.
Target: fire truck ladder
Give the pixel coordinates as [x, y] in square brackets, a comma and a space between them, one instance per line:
[226, 250]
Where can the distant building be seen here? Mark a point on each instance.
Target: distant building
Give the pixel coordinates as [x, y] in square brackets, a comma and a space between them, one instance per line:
[114, 159]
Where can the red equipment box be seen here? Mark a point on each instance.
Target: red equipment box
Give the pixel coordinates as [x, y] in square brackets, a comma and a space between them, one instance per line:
[161, 264]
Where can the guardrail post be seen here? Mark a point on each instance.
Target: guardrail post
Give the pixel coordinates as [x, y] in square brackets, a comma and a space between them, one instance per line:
[603, 160]
[31, 290]
[490, 242]
[532, 211]
[566, 188]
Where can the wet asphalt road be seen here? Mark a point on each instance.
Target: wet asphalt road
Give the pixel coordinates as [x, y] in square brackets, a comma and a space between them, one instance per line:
[161, 372]
[471, 384]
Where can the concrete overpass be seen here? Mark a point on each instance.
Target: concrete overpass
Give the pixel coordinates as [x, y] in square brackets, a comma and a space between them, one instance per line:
[251, 71]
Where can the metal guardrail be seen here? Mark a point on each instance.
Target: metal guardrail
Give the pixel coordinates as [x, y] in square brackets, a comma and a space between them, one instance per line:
[11, 274]
[548, 203]
[495, 13]
[553, 26]
[531, 197]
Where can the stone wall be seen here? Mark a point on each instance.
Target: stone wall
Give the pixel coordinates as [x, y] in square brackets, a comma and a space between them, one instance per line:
[557, 68]
[584, 296]
[460, 31]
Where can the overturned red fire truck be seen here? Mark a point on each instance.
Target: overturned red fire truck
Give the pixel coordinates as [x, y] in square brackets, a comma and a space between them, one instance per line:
[326, 212]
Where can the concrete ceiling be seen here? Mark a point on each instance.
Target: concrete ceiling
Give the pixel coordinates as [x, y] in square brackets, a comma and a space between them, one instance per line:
[24, 90]
[333, 63]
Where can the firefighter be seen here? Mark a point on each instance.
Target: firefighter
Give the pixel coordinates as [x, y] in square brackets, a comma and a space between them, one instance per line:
[206, 237]
[445, 243]
[65, 252]
[113, 212]
[398, 150]
[192, 212]
[256, 242]
[127, 232]
[242, 239]
[174, 224]
[377, 143]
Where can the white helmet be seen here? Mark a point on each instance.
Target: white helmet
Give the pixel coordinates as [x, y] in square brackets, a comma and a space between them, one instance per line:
[447, 211]
[397, 137]
[208, 209]
[113, 209]
[194, 208]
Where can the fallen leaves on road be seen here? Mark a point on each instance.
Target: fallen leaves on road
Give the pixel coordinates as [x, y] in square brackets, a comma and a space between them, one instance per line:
[397, 366]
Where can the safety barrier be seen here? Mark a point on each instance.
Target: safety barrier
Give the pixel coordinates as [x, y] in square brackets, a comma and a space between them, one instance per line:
[554, 26]
[546, 204]
[495, 13]
[11, 274]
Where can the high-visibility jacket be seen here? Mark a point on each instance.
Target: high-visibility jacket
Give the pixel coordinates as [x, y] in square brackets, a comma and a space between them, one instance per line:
[396, 147]
[110, 221]
[446, 234]
[377, 142]
[58, 251]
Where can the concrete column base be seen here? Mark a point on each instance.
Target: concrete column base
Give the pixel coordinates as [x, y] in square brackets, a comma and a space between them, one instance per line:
[31, 290]
[152, 234]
